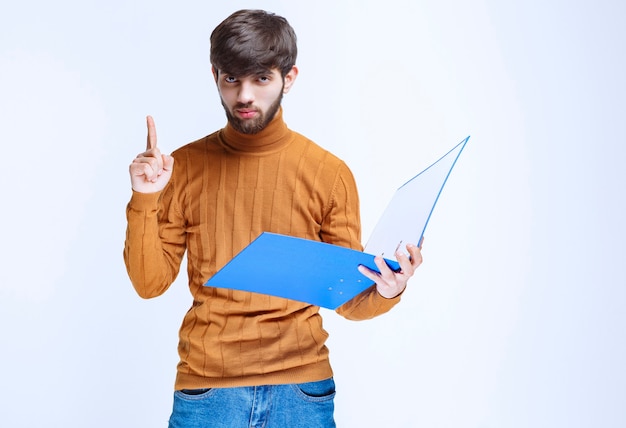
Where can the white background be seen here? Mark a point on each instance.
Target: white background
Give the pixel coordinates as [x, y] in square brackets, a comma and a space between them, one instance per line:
[515, 319]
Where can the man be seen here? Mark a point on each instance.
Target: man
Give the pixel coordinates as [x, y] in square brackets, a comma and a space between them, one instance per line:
[248, 359]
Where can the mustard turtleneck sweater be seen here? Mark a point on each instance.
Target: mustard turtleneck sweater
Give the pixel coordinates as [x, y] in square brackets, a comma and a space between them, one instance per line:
[226, 189]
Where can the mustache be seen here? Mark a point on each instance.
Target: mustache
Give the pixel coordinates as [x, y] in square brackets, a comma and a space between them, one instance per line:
[248, 106]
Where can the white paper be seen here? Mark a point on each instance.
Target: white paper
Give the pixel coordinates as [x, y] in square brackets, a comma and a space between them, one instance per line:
[406, 217]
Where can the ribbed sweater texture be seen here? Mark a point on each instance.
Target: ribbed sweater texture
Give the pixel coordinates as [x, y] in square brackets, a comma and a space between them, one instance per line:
[226, 189]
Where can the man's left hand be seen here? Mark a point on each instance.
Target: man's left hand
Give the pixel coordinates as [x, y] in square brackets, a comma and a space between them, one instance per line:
[391, 283]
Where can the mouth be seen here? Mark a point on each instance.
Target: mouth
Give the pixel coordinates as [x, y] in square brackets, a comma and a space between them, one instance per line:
[246, 113]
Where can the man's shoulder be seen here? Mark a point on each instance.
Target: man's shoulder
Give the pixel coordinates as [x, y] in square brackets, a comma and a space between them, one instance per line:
[200, 145]
[315, 150]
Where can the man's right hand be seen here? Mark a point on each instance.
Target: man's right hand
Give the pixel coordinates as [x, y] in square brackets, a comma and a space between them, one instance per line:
[150, 171]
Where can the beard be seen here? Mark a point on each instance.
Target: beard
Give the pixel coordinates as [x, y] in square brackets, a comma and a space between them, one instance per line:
[256, 125]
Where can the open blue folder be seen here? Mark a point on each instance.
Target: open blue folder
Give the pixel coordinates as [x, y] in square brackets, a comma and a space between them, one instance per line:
[326, 275]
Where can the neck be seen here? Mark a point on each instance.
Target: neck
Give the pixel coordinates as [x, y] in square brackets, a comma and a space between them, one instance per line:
[272, 138]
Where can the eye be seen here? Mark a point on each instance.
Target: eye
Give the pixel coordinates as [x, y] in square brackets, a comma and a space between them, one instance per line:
[230, 79]
[264, 79]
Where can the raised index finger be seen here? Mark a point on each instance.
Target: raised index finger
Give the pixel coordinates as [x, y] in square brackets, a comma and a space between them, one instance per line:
[152, 137]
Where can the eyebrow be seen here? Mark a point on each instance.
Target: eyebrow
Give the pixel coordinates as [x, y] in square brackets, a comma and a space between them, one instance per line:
[256, 73]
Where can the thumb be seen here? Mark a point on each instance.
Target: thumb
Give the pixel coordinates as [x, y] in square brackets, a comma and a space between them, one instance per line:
[168, 163]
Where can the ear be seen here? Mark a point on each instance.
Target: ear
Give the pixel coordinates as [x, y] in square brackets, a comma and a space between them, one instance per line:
[215, 73]
[289, 79]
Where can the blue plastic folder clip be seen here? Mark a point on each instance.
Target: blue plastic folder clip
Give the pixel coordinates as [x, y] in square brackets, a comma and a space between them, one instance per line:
[326, 275]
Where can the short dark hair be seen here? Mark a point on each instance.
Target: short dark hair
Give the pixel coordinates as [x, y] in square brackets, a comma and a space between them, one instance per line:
[253, 41]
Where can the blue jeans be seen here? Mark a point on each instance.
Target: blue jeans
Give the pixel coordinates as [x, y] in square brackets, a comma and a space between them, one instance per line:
[304, 405]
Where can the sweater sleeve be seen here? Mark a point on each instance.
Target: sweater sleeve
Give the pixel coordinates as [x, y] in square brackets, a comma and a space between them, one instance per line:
[155, 242]
[342, 226]
[366, 305]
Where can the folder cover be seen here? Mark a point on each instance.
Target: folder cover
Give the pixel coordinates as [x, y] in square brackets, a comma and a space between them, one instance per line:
[326, 275]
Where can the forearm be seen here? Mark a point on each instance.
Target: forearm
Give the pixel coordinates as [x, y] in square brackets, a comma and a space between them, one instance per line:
[152, 257]
[342, 227]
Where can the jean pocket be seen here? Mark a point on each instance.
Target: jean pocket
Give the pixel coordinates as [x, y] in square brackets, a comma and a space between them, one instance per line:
[194, 394]
[322, 390]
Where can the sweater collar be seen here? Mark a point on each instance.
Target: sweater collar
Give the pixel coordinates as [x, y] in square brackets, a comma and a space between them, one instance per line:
[274, 137]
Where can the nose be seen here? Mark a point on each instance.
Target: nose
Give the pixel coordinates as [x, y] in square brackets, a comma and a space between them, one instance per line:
[245, 95]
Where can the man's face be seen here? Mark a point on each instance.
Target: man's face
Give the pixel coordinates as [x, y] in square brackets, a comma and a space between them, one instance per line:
[251, 102]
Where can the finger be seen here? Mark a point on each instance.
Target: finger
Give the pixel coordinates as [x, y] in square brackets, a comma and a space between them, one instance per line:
[406, 267]
[416, 254]
[374, 276]
[151, 142]
[385, 271]
[403, 261]
[148, 166]
[154, 159]
[138, 169]
[168, 162]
